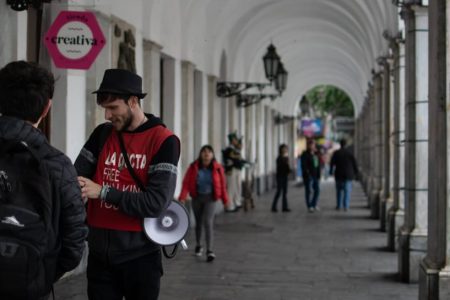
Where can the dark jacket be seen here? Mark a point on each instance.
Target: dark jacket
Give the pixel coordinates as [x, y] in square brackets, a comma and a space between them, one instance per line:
[309, 170]
[283, 168]
[68, 210]
[343, 164]
[117, 246]
[232, 159]
[218, 180]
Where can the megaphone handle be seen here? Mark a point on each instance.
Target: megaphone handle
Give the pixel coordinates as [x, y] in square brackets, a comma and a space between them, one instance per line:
[172, 254]
[184, 245]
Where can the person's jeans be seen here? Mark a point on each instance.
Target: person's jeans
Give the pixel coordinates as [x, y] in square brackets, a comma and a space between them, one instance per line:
[282, 182]
[311, 199]
[204, 207]
[343, 190]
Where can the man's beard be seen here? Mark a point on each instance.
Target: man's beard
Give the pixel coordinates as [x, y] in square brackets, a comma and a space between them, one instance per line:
[127, 121]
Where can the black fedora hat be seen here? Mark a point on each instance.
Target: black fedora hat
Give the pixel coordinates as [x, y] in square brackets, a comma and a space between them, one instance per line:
[122, 82]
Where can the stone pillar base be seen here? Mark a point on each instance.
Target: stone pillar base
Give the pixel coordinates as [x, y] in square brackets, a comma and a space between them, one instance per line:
[374, 200]
[385, 205]
[434, 284]
[412, 249]
[395, 218]
[368, 189]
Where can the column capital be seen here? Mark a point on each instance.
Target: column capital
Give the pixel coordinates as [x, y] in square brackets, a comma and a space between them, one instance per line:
[151, 46]
[187, 63]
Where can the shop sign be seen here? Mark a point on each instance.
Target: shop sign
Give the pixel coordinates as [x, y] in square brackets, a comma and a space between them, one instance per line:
[74, 40]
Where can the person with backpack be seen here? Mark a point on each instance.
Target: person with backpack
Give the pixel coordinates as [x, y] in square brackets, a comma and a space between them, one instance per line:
[128, 170]
[343, 165]
[205, 182]
[42, 216]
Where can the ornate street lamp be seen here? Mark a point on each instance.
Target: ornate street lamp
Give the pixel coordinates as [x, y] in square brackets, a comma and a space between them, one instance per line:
[271, 63]
[281, 79]
[274, 72]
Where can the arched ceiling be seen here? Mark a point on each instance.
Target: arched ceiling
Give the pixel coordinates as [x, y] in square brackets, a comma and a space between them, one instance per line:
[319, 41]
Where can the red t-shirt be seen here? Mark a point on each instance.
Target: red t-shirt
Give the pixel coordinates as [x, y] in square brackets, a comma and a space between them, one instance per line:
[112, 170]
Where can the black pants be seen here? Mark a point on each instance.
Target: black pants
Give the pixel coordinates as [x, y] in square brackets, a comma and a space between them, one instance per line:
[138, 279]
[282, 182]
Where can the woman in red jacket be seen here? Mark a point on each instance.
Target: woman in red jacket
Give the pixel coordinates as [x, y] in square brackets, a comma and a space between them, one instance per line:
[205, 182]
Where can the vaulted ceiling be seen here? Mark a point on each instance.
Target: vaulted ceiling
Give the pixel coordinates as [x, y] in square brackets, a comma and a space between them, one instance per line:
[320, 41]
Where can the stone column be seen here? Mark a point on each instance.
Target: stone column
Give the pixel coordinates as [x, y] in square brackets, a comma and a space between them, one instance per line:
[363, 160]
[274, 146]
[168, 103]
[413, 234]
[434, 278]
[268, 127]
[152, 78]
[370, 143]
[200, 115]
[13, 34]
[396, 213]
[385, 197]
[377, 159]
[214, 115]
[260, 149]
[187, 117]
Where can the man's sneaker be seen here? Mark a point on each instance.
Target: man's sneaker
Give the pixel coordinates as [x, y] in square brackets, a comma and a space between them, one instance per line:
[210, 256]
[317, 208]
[198, 251]
[311, 209]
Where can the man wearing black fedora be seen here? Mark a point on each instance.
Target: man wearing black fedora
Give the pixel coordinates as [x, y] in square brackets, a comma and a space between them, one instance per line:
[127, 170]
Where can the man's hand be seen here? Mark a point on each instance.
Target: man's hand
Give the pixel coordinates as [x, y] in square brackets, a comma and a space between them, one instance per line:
[89, 189]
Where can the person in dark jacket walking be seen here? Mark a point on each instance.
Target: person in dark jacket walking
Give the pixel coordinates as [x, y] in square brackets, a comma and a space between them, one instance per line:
[311, 166]
[26, 91]
[343, 165]
[283, 170]
[122, 261]
[205, 182]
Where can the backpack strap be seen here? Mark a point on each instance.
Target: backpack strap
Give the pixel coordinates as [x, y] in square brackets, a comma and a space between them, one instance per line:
[10, 146]
[127, 162]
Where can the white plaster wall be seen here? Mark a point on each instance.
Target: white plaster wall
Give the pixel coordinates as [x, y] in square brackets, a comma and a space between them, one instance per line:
[13, 34]
[75, 115]
[205, 109]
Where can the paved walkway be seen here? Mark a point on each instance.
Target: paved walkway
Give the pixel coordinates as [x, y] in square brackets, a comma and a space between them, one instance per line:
[332, 255]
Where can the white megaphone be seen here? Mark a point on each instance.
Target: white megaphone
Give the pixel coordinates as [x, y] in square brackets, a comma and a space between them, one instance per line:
[169, 228]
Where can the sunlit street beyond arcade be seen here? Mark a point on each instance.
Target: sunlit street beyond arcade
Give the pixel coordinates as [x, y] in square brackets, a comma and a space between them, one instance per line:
[328, 254]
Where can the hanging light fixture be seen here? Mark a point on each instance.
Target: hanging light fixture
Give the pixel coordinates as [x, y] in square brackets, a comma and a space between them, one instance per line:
[274, 72]
[271, 63]
[281, 79]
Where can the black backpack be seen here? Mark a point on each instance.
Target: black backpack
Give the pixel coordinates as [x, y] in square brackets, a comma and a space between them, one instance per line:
[26, 266]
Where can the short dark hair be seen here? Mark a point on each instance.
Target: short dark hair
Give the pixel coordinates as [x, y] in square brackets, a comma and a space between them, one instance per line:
[25, 89]
[343, 143]
[281, 147]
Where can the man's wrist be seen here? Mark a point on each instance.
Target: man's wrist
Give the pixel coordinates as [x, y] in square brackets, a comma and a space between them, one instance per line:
[104, 191]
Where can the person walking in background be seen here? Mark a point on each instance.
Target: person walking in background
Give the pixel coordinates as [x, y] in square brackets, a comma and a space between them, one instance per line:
[283, 170]
[343, 165]
[43, 230]
[205, 182]
[311, 175]
[233, 162]
[128, 171]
